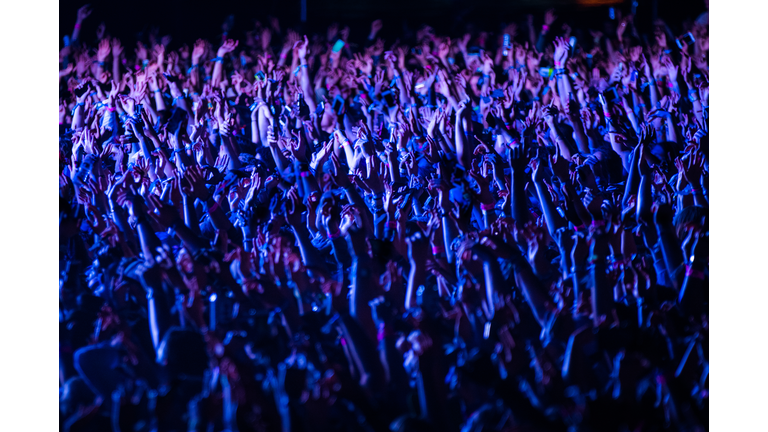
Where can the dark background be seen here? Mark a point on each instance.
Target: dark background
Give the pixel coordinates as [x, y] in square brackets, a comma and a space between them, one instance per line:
[187, 20]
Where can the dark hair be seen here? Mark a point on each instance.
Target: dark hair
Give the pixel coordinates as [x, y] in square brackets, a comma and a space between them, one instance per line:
[691, 214]
[184, 352]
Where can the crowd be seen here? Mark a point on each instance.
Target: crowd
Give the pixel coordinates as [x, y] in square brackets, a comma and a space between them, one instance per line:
[497, 231]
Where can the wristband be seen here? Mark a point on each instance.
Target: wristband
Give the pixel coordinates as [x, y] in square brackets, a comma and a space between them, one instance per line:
[335, 235]
[545, 28]
[213, 208]
[593, 259]
[693, 273]
[217, 60]
[298, 69]
[512, 143]
[305, 173]
[383, 332]
[79, 104]
[695, 191]
[598, 223]
[77, 26]
[489, 206]
[392, 225]
[193, 67]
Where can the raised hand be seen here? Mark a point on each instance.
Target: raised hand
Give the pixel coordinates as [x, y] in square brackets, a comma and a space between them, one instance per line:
[693, 169]
[194, 175]
[103, 51]
[83, 13]
[222, 163]
[672, 69]
[376, 26]
[562, 51]
[159, 52]
[163, 214]
[228, 46]
[141, 51]
[197, 51]
[302, 47]
[518, 159]
[253, 188]
[549, 17]
[293, 207]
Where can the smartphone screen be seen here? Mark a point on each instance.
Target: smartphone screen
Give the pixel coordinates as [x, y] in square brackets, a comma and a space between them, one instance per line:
[302, 106]
[81, 90]
[432, 97]
[685, 40]
[388, 98]
[338, 45]
[320, 108]
[338, 105]
[170, 78]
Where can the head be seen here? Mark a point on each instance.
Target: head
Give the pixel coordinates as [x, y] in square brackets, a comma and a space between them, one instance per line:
[75, 394]
[695, 217]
